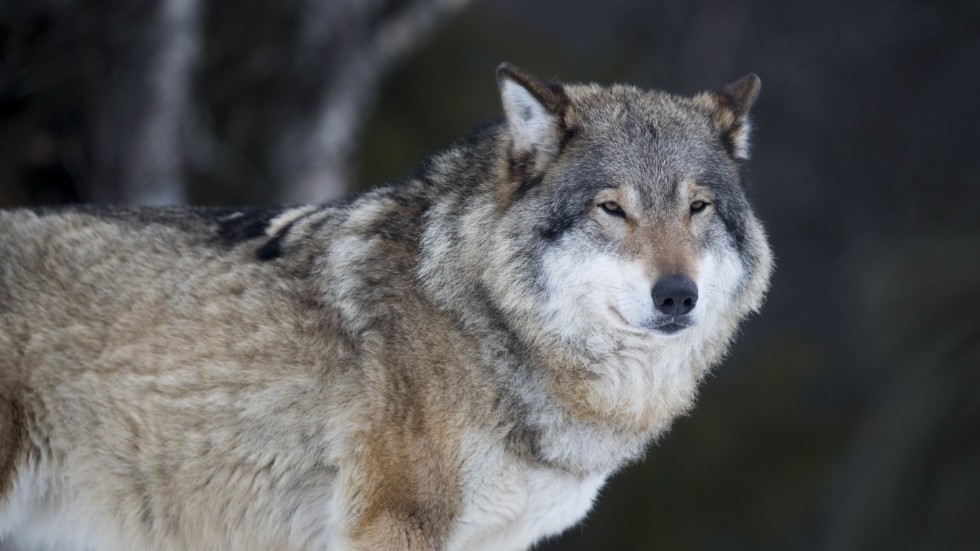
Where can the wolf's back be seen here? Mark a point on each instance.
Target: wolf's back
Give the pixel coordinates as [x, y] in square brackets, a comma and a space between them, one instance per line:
[98, 283]
[140, 358]
[66, 271]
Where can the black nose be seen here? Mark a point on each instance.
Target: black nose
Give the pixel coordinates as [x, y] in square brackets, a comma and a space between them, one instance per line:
[675, 295]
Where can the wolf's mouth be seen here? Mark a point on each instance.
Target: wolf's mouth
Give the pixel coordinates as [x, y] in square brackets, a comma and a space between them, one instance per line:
[621, 318]
[667, 326]
[673, 325]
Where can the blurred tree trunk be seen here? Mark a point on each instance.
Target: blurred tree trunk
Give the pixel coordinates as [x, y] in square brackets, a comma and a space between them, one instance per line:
[146, 68]
[147, 54]
[340, 54]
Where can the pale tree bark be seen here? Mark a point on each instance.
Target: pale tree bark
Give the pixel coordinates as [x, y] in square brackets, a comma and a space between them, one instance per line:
[150, 130]
[344, 50]
[143, 103]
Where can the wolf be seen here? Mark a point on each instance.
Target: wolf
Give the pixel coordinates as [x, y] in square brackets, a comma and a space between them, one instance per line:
[458, 361]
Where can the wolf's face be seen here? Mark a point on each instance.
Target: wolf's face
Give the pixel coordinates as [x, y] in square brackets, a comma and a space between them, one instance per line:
[639, 240]
[636, 207]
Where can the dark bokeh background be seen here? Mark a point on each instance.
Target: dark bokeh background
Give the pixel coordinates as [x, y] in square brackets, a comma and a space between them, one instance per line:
[848, 415]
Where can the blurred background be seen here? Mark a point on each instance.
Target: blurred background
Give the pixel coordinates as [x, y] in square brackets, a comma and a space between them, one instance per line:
[848, 414]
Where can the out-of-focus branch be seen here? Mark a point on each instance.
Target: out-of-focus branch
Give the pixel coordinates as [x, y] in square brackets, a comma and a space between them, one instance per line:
[144, 108]
[313, 153]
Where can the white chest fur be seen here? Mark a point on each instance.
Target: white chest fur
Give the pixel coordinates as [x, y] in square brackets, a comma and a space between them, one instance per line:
[524, 505]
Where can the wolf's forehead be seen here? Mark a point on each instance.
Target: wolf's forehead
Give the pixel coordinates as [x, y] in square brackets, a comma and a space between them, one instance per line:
[655, 121]
[637, 111]
[653, 143]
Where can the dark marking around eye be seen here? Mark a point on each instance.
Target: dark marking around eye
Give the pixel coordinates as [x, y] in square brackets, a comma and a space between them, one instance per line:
[735, 224]
[557, 224]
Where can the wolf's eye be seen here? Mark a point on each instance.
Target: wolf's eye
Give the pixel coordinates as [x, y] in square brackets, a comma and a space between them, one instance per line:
[698, 206]
[613, 208]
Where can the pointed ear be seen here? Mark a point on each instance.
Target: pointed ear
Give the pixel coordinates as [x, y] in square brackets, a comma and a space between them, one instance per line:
[535, 113]
[730, 106]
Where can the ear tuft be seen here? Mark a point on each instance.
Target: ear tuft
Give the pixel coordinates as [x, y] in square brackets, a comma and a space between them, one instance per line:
[731, 105]
[534, 111]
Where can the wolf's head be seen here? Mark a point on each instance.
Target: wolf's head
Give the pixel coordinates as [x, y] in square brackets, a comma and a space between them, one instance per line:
[615, 225]
[633, 205]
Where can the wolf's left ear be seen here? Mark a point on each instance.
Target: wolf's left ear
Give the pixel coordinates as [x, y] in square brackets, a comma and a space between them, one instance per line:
[535, 113]
[730, 107]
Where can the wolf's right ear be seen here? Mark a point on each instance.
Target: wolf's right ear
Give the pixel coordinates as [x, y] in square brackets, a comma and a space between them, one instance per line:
[535, 113]
[730, 106]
